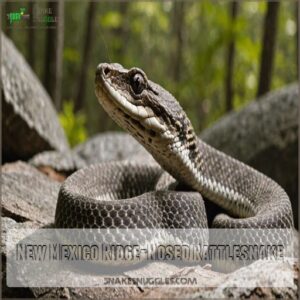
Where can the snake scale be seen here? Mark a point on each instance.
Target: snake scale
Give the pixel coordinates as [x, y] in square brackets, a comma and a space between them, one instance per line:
[142, 195]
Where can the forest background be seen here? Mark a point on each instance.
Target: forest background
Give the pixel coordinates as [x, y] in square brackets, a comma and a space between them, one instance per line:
[213, 56]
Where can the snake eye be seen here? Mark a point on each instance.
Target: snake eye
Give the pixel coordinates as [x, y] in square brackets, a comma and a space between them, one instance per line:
[138, 83]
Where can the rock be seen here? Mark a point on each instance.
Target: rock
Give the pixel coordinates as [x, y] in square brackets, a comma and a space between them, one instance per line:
[264, 135]
[67, 161]
[105, 293]
[20, 167]
[262, 279]
[7, 224]
[48, 292]
[28, 195]
[152, 270]
[72, 293]
[256, 278]
[112, 146]
[53, 174]
[29, 121]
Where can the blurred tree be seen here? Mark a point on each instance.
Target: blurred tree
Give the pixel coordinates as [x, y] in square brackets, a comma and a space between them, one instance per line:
[148, 35]
[268, 47]
[54, 52]
[230, 53]
[121, 31]
[86, 55]
[178, 31]
[297, 16]
[31, 36]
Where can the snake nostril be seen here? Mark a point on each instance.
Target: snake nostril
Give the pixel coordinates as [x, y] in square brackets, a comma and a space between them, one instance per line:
[103, 70]
[106, 71]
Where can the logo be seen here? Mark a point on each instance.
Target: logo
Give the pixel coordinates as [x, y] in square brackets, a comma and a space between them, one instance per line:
[17, 16]
[39, 18]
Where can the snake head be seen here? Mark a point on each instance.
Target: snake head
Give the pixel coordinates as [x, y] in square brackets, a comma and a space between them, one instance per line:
[143, 108]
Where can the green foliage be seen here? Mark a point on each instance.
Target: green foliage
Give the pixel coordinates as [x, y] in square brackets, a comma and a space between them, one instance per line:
[73, 124]
[71, 55]
[111, 19]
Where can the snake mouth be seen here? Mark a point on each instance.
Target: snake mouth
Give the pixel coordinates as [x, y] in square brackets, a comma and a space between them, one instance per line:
[116, 100]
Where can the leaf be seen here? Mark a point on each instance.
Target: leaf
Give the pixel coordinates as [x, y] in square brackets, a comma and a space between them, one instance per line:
[73, 124]
[111, 19]
[71, 55]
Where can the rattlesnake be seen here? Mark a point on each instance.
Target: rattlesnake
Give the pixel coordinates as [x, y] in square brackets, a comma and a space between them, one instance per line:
[143, 195]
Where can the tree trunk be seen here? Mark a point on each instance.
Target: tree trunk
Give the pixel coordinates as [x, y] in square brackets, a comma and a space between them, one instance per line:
[31, 37]
[230, 53]
[297, 37]
[178, 25]
[122, 34]
[86, 55]
[268, 48]
[122, 31]
[54, 52]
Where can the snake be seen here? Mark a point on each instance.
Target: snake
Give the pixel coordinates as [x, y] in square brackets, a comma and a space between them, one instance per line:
[170, 192]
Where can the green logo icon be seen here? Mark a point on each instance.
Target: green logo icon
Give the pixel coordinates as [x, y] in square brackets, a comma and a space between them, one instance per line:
[16, 16]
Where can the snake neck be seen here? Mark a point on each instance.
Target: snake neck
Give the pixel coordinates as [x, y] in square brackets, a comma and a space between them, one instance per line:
[212, 173]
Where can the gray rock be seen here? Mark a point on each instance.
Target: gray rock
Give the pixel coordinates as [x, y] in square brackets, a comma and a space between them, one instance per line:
[47, 292]
[7, 224]
[257, 277]
[20, 167]
[67, 161]
[28, 195]
[262, 279]
[264, 135]
[109, 146]
[29, 121]
[112, 146]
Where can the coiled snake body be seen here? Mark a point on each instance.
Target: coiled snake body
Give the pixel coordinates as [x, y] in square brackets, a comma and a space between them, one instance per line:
[132, 195]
